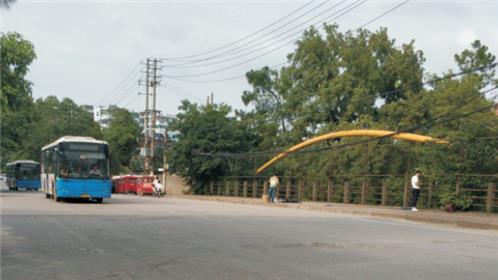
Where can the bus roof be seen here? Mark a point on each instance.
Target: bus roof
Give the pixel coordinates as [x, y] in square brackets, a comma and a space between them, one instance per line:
[24, 161]
[75, 139]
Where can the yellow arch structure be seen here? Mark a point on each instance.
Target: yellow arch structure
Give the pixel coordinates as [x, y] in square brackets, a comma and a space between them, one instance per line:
[351, 133]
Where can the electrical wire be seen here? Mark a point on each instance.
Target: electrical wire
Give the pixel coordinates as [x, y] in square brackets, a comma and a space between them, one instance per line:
[253, 43]
[121, 94]
[274, 67]
[428, 82]
[241, 39]
[116, 90]
[181, 91]
[348, 10]
[132, 101]
[181, 77]
[442, 118]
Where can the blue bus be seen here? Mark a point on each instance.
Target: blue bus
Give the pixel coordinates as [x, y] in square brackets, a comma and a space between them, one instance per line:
[23, 174]
[76, 167]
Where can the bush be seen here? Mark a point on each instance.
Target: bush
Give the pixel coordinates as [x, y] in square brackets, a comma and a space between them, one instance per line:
[455, 202]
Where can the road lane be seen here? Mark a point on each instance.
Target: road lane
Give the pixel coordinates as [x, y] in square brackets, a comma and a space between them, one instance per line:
[130, 237]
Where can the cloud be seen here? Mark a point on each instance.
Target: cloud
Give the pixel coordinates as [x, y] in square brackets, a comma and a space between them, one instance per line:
[465, 37]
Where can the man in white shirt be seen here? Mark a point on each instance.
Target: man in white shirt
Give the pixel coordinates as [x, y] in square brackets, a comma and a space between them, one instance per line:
[415, 189]
[158, 186]
[273, 187]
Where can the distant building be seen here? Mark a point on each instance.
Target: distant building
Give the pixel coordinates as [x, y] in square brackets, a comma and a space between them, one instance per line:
[87, 108]
[163, 122]
[102, 116]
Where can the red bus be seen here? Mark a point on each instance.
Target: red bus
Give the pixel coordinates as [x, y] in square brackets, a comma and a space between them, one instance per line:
[125, 183]
[144, 185]
[137, 184]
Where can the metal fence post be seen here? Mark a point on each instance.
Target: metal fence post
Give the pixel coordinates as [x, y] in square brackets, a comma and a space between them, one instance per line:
[288, 189]
[211, 187]
[255, 187]
[236, 188]
[244, 192]
[300, 188]
[384, 194]
[405, 193]
[227, 188]
[330, 187]
[219, 188]
[430, 192]
[313, 193]
[265, 187]
[458, 187]
[490, 197]
[345, 198]
[363, 191]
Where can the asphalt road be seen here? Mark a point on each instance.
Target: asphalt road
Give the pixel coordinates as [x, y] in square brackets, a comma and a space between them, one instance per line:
[131, 237]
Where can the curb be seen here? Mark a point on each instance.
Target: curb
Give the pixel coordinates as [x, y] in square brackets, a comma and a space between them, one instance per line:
[484, 223]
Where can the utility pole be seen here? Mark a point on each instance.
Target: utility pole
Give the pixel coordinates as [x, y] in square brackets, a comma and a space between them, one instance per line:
[165, 161]
[149, 143]
[154, 83]
[146, 119]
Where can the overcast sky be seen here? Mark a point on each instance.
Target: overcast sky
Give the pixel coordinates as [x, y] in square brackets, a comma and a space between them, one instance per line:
[89, 50]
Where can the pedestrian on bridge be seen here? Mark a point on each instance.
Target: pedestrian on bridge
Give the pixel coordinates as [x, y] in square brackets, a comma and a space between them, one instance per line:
[273, 187]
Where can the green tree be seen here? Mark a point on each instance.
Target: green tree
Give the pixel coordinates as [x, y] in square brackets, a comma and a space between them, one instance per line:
[16, 54]
[478, 56]
[209, 130]
[53, 119]
[357, 80]
[122, 136]
[333, 77]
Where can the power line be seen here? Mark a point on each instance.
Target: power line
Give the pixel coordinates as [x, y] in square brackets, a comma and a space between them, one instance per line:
[254, 42]
[181, 77]
[348, 10]
[132, 101]
[428, 82]
[120, 85]
[179, 90]
[241, 39]
[222, 79]
[383, 14]
[123, 94]
[442, 118]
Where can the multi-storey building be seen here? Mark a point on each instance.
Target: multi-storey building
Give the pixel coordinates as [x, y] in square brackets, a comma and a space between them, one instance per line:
[102, 116]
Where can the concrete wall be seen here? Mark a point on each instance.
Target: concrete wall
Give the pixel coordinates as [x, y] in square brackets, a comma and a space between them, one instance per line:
[175, 185]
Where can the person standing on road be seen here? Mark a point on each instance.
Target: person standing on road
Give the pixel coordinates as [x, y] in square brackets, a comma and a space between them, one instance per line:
[273, 187]
[415, 189]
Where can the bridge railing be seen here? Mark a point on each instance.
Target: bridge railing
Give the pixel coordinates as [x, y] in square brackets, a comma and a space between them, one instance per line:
[384, 190]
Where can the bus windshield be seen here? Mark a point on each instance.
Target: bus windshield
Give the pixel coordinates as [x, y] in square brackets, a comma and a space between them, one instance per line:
[30, 171]
[83, 164]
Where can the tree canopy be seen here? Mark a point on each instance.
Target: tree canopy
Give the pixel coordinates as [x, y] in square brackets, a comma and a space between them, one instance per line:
[207, 129]
[356, 80]
[122, 136]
